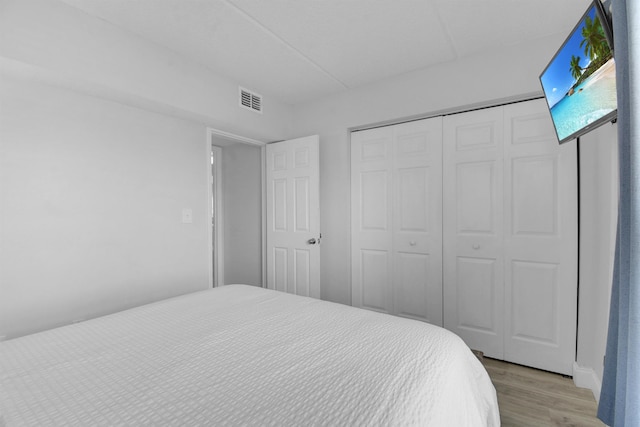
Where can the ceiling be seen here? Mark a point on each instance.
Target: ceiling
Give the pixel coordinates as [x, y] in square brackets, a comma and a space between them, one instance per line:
[300, 50]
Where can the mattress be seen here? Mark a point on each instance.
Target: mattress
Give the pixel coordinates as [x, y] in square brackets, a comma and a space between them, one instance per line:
[242, 355]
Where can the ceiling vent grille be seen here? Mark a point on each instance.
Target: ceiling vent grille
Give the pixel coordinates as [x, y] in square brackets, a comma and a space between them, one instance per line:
[250, 100]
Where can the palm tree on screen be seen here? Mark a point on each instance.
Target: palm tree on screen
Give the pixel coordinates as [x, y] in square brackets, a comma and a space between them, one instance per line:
[594, 40]
[576, 70]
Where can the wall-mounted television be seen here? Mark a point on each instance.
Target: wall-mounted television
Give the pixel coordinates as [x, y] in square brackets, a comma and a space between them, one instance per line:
[579, 84]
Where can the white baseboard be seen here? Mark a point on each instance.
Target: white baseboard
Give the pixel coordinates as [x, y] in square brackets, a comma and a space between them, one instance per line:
[587, 378]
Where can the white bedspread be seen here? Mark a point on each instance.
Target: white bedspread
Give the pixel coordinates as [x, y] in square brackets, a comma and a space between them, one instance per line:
[240, 355]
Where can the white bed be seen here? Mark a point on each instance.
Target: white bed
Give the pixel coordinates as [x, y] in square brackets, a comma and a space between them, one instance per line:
[241, 355]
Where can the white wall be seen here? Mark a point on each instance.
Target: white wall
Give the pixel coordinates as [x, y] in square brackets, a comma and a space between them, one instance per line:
[598, 220]
[103, 139]
[91, 199]
[242, 199]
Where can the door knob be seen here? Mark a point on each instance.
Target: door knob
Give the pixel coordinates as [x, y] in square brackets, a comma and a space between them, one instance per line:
[312, 241]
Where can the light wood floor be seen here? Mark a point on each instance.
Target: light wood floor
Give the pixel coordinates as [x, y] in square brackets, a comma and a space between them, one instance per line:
[530, 397]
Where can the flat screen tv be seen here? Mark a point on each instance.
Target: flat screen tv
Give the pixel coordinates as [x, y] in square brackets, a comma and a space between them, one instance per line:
[579, 84]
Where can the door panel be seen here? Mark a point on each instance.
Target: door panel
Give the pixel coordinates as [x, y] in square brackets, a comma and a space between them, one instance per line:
[373, 200]
[476, 198]
[279, 205]
[411, 296]
[413, 187]
[301, 202]
[417, 220]
[472, 226]
[293, 216]
[541, 238]
[374, 292]
[534, 302]
[534, 196]
[476, 283]
[279, 269]
[476, 131]
[371, 212]
[302, 270]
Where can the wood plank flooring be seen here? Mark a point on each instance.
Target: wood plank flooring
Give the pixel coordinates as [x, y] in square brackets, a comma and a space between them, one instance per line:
[530, 397]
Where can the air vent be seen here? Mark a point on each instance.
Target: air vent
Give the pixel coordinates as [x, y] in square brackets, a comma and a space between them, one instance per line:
[250, 100]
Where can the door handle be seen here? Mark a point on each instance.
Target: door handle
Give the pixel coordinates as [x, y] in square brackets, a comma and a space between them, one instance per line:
[314, 241]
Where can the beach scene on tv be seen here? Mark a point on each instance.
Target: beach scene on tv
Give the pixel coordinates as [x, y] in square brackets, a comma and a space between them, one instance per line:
[579, 83]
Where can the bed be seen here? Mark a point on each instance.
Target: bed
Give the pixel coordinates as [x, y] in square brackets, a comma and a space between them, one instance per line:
[243, 355]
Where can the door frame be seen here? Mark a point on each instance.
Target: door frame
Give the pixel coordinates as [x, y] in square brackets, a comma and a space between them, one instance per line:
[217, 241]
[216, 246]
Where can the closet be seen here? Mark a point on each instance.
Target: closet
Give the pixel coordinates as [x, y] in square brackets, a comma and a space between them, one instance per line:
[477, 233]
[396, 219]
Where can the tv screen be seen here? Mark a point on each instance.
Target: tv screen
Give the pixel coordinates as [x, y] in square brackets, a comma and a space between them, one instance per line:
[579, 83]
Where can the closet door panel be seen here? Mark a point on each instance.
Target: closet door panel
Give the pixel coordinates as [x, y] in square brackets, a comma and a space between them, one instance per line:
[374, 195]
[534, 289]
[473, 229]
[540, 241]
[476, 196]
[534, 187]
[413, 188]
[374, 274]
[371, 219]
[412, 296]
[477, 283]
[417, 219]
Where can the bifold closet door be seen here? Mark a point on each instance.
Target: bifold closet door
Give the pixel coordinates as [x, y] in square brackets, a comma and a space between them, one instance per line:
[510, 235]
[473, 229]
[371, 219]
[396, 179]
[541, 241]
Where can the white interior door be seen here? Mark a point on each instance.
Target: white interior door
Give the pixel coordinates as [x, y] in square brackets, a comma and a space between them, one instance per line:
[541, 241]
[293, 216]
[396, 178]
[473, 229]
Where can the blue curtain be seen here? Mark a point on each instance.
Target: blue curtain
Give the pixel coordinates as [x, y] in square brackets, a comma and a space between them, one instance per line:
[620, 395]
